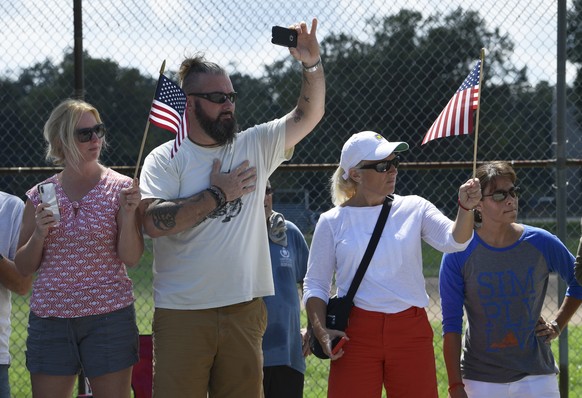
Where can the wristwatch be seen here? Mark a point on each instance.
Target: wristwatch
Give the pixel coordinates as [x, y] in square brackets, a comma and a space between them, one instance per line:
[555, 326]
[312, 68]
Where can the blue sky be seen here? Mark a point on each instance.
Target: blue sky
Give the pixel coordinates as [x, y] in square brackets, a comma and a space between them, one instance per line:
[141, 33]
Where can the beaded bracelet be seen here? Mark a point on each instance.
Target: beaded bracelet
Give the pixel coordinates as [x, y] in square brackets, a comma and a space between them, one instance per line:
[218, 195]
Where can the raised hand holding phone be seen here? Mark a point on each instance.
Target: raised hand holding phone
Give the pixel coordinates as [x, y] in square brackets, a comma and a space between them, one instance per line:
[284, 36]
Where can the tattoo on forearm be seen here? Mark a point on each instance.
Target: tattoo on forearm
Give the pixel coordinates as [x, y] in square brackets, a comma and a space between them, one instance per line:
[306, 99]
[298, 115]
[163, 214]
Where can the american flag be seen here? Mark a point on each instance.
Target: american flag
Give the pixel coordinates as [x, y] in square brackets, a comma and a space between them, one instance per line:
[168, 110]
[457, 117]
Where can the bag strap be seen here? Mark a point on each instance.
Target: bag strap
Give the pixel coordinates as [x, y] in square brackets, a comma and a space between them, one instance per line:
[371, 247]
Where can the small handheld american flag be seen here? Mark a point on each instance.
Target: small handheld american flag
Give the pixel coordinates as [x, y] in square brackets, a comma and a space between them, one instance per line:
[457, 117]
[168, 110]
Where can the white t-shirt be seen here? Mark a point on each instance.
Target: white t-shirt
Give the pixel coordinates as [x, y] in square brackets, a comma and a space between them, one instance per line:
[225, 259]
[11, 209]
[394, 279]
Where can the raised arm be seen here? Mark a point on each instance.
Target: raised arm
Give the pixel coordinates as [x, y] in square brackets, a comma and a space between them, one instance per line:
[311, 103]
[469, 197]
[169, 217]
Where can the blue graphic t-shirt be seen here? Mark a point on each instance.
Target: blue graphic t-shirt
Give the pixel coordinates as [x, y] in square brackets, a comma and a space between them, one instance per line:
[502, 291]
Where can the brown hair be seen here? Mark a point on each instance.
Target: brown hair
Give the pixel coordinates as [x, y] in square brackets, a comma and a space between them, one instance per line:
[488, 173]
[192, 67]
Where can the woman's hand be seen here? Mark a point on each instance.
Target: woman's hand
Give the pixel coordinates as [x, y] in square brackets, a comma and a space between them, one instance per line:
[305, 335]
[547, 330]
[129, 229]
[129, 198]
[44, 220]
[470, 194]
[325, 337]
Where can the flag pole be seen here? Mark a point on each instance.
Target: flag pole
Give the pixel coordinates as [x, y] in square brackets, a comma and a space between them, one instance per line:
[477, 116]
[147, 127]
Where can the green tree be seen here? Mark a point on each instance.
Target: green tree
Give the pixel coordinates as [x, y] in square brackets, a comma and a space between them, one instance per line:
[399, 80]
[396, 80]
[574, 51]
[122, 96]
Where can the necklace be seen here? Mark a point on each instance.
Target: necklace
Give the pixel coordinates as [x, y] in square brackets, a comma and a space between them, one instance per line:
[204, 145]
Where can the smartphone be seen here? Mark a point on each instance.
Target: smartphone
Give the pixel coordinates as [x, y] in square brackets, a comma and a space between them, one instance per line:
[49, 195]
[284, 36]
[339, 345]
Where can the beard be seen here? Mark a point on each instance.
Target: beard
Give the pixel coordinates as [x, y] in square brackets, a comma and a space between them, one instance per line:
[220, 130]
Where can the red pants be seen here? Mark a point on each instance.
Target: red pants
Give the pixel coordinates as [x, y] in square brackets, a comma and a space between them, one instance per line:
[394, 350]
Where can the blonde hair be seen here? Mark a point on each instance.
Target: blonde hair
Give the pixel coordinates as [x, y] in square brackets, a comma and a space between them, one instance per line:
[341, 190]
[59, 132]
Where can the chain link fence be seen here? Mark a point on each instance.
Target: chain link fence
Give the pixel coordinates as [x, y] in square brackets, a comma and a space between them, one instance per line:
[390, 67]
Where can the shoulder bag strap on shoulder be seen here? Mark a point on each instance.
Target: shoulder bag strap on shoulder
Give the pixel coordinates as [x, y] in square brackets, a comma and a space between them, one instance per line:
[371, 246]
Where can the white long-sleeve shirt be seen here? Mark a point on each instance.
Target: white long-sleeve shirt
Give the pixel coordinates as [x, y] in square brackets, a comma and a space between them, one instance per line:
[394, 280]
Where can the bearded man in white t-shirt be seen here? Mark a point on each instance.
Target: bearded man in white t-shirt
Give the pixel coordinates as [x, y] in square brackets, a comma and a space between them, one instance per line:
[203, 207]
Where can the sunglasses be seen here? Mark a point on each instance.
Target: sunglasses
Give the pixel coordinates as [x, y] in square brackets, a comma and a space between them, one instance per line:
[268, 191]
[499, 196]
[383, 166]
[85, 135]
[217, 97]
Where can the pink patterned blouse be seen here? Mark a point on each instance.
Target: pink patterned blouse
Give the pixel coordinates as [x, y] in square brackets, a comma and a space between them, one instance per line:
[80, 273]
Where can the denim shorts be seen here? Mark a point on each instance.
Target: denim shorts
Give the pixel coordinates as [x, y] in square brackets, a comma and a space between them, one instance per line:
[96, 344]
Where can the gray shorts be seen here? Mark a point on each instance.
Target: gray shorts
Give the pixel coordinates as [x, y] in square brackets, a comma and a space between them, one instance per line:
[97, 344]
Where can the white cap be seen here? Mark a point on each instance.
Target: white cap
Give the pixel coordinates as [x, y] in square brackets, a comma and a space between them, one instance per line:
[367, 145]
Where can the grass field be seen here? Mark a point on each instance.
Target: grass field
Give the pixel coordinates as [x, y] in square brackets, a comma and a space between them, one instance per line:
[317, 370]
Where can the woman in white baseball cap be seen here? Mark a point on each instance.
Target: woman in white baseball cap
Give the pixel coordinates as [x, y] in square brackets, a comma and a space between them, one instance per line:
[390, 340]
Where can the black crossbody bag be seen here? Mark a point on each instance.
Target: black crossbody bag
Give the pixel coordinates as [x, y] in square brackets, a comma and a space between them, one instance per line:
[338, 308]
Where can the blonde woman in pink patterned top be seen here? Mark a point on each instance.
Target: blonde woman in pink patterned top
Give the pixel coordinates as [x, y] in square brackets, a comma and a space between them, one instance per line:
[82, 315]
